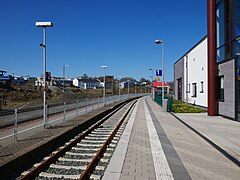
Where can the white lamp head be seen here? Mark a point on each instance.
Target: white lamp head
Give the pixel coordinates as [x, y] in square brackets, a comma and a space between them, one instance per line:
[158, 41]
[44, 24]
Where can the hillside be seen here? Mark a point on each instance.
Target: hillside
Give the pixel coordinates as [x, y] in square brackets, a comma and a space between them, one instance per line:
[27, 95]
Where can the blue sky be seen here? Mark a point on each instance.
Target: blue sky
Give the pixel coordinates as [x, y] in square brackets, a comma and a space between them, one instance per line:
[91, 33]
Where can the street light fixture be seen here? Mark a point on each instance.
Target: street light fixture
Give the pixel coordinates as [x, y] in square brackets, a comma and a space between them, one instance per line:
[44, 25]
[161, 42]
[104, 94]
[64, 74]
[150, 69]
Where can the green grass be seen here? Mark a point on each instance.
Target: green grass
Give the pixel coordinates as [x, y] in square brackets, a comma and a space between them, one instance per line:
[180, 107]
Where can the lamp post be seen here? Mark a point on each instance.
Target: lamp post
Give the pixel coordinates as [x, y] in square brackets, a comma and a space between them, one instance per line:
[161, 42]
[64, 74]
[104, 94]
[128, 89]
[112, 84]
[135, 88]
[150, 69]
[119, 87]
[44, 25]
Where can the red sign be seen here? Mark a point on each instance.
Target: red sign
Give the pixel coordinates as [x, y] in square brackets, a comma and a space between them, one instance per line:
[159, 84]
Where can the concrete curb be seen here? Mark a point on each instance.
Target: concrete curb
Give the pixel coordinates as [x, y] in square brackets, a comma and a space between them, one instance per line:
[222, 151]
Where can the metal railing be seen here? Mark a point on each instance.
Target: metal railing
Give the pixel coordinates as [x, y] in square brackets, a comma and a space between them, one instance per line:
[29, 119]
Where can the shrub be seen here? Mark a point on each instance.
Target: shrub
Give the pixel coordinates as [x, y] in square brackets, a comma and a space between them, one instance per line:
[180, 107]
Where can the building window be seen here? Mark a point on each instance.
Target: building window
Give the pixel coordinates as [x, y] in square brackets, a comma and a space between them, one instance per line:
[201, 87]
[237, 27]
[220, 87]
[224, 30]
[189, 87]
[237, 18]
[220, 31]
[194, 89]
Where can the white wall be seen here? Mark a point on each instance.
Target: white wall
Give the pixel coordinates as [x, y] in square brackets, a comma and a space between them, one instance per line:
[75, 82]
[78, 83]
[195, 71]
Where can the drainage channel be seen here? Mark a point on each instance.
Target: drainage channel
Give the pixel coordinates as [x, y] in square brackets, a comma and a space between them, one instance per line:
[88, 154]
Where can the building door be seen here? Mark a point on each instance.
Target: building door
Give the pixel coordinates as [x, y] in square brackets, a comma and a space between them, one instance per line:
[179, 85]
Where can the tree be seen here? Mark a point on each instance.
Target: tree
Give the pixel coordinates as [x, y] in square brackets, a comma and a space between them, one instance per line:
[85, 76]
[128, 78]
[142, 80]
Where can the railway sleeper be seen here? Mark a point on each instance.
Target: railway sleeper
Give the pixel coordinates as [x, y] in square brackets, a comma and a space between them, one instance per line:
[100, 142]
[101, 135]
[76, 160]
[49, 175]
[95, 138]
[88, 145]
[81, 154]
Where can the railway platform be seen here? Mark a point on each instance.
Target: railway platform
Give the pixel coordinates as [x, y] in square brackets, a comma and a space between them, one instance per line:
[158, 145]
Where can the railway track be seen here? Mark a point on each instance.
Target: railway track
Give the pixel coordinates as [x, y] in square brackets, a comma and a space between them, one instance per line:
[87, 155]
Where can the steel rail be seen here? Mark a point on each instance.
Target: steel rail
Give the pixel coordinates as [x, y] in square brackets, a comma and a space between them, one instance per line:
[86, 173]
[36, 170]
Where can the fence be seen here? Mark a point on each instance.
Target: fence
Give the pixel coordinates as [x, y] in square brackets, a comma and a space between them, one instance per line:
[22, 121]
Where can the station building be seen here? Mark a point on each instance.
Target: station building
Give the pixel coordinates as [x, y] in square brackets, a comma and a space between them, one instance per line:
[190, 75]
[208, 75]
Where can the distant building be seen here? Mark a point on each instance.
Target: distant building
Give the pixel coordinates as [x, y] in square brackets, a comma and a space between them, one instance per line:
[18, 79]
[40, 82]
[2, 72]
[86, 83]
[124, 85]
[29, 78]
[5, 78]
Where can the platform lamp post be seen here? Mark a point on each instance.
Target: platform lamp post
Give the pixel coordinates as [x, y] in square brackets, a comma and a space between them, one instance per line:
[44, 25]
[128, 88]
[119, 89]
[150, 69]
[64, 74]
[135, 87]
[104, 83]
[161, 42]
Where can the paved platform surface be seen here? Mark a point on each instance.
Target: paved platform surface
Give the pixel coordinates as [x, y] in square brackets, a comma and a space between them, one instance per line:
[223, 132]
[182, 151]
